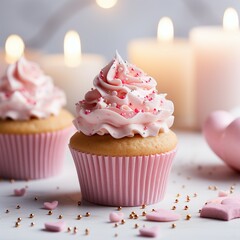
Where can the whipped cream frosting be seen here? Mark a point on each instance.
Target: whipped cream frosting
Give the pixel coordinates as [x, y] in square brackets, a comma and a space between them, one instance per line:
[123, 103]
[25, 92]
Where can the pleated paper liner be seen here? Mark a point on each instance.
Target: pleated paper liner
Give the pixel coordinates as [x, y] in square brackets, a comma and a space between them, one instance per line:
[33, 156]
[123, 181]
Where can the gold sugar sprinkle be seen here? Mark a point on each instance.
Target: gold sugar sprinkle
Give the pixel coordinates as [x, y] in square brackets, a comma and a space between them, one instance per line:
[50, 212]
[173, 207]
[87, 231]
[153, 210]
[176, 200]
[69, 229]
[31, 215]
[119, 208]
[174, 225]
[79, 217]
[123, 221]
[116, 225]
[199, 210]
[79, 203]
[18, 207]
[36, 198]
[115, 235]
[32, 224]
[178, 195]
[136, 216]
[186, 207]
[133, 213]
[188, 217]
[60, 216]
[131, 216]
[195, 194]
[7, 211]
[136, 225]
[144, 213]
[75, 229]
[17, 224]
[19, 219]
[144, 206]
[88, 214]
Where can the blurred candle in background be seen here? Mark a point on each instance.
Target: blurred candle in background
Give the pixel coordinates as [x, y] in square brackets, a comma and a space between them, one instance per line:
[169, 61]
[217, 64]
[73, 71]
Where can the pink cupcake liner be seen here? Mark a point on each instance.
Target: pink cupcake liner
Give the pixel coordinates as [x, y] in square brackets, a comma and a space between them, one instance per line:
[123, 181]
[33, 156]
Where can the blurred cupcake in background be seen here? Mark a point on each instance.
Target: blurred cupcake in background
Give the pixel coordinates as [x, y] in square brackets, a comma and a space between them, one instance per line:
[34, 128]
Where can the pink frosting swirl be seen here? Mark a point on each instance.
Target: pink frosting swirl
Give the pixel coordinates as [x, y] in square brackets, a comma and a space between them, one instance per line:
[124, 102]
[25, 92]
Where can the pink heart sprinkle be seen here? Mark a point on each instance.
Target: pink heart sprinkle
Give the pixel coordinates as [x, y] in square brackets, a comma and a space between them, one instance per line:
[149, 232]
[116, 216]
[162, 215]
[222, 193]
[19, 192]
[55, 227]
[50, 205]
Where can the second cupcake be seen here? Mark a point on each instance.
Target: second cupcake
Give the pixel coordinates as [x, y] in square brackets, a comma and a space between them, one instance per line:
[34, 129]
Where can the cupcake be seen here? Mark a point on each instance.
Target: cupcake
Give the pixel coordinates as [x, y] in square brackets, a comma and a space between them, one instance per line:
[34, 129]
[123, 148]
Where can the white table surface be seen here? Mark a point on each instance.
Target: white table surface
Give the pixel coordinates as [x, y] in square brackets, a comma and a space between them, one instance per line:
[195, 169]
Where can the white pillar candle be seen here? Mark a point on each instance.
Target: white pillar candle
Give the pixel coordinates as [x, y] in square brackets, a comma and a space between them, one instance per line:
[217, 65]
[73, 72]
[169, 61]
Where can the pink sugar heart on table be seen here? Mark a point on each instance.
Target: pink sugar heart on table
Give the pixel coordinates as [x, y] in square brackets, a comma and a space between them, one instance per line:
[162, 215]
[55, 226]
[227, 209]
[19, 192]
[116, 216]
[149, 232]
[50, 205]
[222, 133]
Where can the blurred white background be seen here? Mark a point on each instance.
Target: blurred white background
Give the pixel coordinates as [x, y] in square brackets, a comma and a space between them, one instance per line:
[43, 24]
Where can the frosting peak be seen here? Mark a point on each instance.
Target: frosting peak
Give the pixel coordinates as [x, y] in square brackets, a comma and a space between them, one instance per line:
[26, 92]
[124, 102]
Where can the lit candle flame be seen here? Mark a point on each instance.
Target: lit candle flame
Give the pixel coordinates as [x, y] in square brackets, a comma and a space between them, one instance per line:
[106, 3]
[72, 49]
[230, 20]
[14, 48]
[165, 30]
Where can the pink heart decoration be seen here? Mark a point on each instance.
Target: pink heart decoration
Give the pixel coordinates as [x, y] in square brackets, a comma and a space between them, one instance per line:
[149, 232]
[50, 205]
[228, 209]
[162, 215]
[116, 216]
[55, 227]
[222, 133]
[19, 192]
